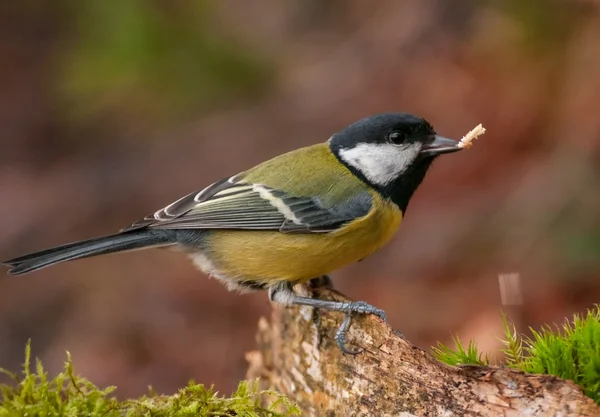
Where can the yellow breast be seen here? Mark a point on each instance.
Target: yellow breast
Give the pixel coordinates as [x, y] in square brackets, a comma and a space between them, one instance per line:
[273, 256]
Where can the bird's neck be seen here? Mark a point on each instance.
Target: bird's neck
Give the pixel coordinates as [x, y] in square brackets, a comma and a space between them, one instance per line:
[402, 188]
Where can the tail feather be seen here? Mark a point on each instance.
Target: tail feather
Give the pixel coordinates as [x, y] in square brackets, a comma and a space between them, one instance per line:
[135, 239]
[49, 251]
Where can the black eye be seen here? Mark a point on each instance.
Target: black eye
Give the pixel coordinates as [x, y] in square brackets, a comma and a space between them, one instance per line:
[396, 137]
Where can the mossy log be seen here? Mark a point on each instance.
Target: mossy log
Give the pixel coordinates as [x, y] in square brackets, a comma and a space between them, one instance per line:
[298, 357]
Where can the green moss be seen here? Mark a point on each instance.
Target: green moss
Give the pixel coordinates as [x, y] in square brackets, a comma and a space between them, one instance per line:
[570, 351]
[67, 394]
[459, 355]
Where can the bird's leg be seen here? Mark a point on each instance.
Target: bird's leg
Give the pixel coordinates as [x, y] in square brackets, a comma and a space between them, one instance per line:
[283, 293]
[324, 281]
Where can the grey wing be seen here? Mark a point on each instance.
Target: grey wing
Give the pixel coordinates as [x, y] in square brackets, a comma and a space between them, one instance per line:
[234, 204]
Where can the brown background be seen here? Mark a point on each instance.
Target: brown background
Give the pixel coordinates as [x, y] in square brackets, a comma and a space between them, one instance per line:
[110, 110]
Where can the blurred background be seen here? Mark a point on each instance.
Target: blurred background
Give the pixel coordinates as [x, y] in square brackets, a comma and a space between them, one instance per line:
[112, 109]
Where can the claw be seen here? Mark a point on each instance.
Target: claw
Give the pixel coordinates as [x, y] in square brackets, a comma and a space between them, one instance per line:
[340, 336]
[364, 308]
[354, 307]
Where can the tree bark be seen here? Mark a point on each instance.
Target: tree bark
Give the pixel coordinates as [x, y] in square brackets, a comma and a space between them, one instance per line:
[298, 357]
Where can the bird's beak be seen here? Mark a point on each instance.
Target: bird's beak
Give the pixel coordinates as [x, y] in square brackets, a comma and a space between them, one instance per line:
[440, 145]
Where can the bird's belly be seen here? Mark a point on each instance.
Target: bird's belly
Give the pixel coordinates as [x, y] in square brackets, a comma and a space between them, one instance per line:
[266, 256]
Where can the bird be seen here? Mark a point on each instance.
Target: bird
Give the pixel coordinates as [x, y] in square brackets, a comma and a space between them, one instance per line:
[292, 219]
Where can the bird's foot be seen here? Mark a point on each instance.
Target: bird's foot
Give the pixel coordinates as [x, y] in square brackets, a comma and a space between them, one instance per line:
[284, 294]
[354, 307]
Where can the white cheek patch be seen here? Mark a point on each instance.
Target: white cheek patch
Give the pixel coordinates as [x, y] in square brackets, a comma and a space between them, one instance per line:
[380, 163]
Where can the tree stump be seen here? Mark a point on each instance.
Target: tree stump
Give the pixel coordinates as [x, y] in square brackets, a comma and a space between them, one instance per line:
[297, 356]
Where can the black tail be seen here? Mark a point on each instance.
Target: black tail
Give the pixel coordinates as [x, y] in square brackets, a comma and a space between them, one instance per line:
[134, 239]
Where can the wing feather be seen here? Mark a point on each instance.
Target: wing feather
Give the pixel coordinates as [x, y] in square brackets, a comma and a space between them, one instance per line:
[234, 204]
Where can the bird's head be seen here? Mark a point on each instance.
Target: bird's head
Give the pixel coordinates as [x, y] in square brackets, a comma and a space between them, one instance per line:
[391, 152]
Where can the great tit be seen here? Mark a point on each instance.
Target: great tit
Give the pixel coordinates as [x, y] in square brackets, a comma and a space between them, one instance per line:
[292, 219]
